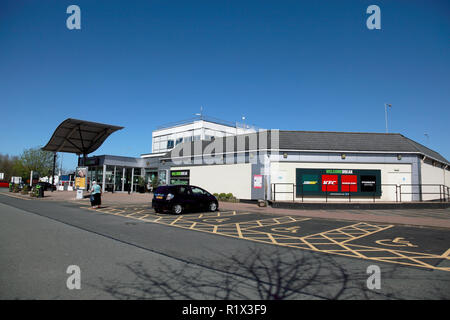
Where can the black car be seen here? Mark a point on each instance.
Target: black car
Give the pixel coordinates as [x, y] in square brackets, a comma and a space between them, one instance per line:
[178, 198]
[47, 186]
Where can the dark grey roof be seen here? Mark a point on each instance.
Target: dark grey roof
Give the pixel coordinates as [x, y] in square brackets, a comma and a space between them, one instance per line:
[328, 141]
[79, 136]
[353, 141]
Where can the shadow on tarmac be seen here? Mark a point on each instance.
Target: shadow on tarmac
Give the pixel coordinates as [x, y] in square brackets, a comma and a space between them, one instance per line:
[262, 274]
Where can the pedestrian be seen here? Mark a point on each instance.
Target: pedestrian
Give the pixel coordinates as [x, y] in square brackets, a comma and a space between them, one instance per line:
[96, 195]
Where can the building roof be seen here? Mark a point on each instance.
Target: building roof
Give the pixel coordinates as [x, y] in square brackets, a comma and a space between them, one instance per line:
[206, 119]
[79, 136]
[325, 141]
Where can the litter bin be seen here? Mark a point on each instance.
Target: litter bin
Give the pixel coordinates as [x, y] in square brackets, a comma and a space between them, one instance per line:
[39, 191]
[80, 194]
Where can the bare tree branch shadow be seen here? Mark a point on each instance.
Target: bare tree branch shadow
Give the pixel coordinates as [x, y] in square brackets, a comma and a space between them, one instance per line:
[261, 273]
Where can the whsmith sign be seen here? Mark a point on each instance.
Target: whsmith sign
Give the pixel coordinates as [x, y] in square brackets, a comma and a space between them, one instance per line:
[339, 182]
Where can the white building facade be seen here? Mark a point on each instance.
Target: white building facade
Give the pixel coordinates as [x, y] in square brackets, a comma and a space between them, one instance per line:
[202, 128]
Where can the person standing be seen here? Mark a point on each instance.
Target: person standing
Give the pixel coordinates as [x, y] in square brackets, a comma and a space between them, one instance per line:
[96, 195]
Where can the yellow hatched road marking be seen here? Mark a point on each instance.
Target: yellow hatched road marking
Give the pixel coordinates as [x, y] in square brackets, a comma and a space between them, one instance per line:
[235, 230]
[446, 254]
[271, 238]
[343, 246]
[369, 233]
[238, 228]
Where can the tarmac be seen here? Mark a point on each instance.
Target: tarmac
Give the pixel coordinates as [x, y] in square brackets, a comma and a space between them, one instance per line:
[439, 218]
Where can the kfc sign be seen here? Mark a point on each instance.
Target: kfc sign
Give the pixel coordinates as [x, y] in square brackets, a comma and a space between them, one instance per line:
[329, 183]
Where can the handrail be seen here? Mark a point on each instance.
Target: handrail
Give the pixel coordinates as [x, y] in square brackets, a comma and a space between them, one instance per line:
[206, 118]
[444, 191]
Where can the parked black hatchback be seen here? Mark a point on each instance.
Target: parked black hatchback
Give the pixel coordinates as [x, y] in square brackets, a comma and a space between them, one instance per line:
[47, 186]
[178, 198]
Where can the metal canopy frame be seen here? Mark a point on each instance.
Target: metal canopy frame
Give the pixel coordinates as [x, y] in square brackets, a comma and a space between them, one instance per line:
[79, 136]
[91, 136]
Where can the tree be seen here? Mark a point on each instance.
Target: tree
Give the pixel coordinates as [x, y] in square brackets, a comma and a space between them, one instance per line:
[155, 182]
[37, 160]
[8, 166]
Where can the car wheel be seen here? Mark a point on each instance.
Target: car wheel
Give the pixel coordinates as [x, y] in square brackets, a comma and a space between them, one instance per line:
[177, 209]
[213, 206]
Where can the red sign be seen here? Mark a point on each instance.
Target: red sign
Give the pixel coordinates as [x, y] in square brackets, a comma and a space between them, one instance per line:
[349, 183]
[329, 183]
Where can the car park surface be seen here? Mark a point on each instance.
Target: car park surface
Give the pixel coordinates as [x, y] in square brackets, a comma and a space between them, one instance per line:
[404, 245]
[128, 251]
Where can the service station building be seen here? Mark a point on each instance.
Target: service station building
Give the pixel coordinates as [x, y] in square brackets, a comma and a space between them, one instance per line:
[277, 165]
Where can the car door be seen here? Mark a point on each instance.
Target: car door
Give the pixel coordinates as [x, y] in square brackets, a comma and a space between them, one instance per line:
[185, 198]
[200, 196]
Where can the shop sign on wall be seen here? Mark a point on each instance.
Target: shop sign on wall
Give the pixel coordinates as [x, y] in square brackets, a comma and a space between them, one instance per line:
[257, 181]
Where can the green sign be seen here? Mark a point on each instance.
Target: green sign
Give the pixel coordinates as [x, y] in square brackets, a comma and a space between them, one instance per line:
[179, 177]
[179, 173]
[338, 182]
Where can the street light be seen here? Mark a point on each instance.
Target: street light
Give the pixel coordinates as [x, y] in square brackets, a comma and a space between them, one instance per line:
[428, 137]
[386, 105]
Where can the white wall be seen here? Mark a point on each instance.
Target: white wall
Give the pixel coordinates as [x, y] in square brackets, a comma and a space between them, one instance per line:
[227, 178]
[285, 172]
[433, 175]
[200, 128]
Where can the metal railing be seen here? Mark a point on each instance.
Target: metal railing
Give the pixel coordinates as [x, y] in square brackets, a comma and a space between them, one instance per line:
[426, 192]
[209, 119]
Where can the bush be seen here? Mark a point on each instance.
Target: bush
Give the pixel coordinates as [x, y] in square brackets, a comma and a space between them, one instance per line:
[155, 183]
[222, 196]
[16, 188]
[25, 189]
[225, 197]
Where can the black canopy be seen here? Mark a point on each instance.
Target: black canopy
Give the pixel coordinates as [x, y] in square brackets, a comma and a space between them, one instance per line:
[79, 136]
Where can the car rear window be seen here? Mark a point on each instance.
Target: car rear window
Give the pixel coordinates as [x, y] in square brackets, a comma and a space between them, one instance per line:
[164, 190]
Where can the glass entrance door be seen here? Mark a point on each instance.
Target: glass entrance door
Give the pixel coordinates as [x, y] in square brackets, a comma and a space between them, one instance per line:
[118, 179]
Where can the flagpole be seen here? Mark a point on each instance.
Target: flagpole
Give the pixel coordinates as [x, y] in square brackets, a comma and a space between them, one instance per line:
[385, 115]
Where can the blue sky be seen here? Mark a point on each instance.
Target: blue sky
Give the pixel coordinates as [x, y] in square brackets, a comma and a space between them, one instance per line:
[293, 65]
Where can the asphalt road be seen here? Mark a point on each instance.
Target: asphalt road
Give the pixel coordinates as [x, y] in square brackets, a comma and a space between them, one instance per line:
[123, 258]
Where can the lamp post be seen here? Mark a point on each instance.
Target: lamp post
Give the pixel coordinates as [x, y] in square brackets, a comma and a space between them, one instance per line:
[386, 105]
[53, 171]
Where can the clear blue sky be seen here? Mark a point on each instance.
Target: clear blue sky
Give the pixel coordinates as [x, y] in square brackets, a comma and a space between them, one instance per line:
[295, 65]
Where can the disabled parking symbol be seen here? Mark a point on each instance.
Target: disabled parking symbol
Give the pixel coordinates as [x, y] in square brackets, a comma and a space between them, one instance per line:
[286, 229]
[219, 220]
[397, 242]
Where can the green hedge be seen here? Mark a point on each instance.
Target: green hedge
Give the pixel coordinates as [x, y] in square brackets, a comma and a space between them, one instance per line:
[225, 197]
